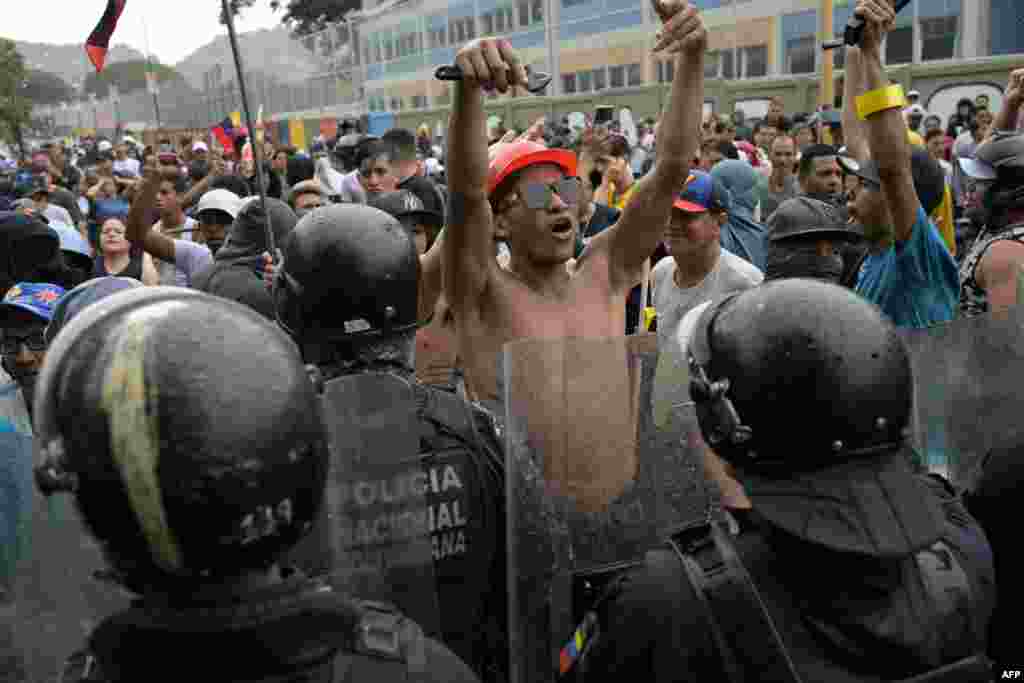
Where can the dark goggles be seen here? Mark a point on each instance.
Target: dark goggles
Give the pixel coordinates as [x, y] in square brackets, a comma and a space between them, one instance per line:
[11, 344]
[539, 195]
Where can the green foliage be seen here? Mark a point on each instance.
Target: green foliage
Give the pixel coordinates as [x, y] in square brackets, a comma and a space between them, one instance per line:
[303, 17]
[46, 88]
[127, 76]
[15, 107]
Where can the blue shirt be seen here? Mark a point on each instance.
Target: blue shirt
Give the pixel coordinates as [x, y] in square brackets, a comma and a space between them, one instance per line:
[915, 283]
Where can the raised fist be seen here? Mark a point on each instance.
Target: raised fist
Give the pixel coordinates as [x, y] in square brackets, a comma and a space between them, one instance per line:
[490, 63]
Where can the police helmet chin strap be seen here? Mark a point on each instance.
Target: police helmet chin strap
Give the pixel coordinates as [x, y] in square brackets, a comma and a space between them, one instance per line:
[727, 425]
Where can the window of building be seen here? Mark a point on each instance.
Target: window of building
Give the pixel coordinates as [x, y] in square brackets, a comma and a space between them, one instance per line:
[583, 81]
[498, 20]
[396, 104]
[634, 76]
[666, 71]
[711, 63]
[600, 82]
[389, 47]
[461, 30]
[537, 9]
[436, 36]
[419, 102]
[939, 37]
[800, 55]
[573, 3]
[728, 59]
[899, 45]
[755, 61]
[617, 76]
[569, 83]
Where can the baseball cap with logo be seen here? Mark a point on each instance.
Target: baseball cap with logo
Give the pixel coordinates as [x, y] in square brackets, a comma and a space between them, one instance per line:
[406, 207]
[35, 297]
[702, 193]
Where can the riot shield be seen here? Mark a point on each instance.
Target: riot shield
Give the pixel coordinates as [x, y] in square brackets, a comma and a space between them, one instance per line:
[593, 483]
[376, 531]
[968, 390]
[50, 599]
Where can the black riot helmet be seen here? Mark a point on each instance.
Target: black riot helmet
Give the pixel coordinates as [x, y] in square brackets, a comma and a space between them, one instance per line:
[798, 375]
[188, 431]
[350, 273]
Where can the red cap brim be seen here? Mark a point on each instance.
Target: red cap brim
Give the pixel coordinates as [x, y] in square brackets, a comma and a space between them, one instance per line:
[689, 207]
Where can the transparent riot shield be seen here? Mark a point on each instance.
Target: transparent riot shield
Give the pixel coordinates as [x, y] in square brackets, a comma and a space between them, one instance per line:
[375, 534]
[968, 390]
[593, 483]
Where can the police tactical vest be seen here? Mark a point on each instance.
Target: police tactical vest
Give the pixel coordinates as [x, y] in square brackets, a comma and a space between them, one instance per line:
[382, 646]
[462, 456]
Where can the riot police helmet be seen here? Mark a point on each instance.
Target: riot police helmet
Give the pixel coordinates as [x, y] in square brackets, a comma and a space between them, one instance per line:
[350, 271]
[187, 429]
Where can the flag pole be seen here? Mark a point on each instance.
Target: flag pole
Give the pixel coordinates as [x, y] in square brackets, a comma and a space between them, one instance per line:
[151, 76]
[257, 149]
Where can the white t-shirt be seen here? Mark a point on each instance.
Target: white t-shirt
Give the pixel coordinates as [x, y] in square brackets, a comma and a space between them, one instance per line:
[127, 165]
[672, 302]
[172, 274]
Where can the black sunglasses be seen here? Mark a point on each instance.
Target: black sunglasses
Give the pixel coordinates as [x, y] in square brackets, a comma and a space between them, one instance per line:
[539, 195]
[11, 344]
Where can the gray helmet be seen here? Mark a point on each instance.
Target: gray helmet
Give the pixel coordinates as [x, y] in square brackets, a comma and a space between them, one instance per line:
[798, 362]
[189, 432]
[1002, 154]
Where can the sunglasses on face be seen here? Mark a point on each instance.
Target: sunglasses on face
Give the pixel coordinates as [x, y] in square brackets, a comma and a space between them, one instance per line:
[539, 195]
[11, 344]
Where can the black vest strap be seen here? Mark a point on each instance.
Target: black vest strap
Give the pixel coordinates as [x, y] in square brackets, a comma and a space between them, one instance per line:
[733, 607]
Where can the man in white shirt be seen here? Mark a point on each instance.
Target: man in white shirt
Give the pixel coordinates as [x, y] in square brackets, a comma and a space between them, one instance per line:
[125, 166]
[698, 269]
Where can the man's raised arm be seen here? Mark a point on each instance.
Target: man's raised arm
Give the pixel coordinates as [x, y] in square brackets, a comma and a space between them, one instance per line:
[634, 238]
[140, 232]
[882, 107]
[469, 242]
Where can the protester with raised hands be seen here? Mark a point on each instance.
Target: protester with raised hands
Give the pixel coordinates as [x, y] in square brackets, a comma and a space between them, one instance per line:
[909, 273]
[527, 195]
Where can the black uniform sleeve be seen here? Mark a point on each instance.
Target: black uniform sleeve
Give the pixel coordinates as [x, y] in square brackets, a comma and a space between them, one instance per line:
[653, 629]
[443, 665]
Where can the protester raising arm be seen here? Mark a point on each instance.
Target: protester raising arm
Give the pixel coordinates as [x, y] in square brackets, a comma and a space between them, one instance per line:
[885, 127]
[854, 135]
[632, 240]
[1012, 100]
[140, 232]
[469, 240]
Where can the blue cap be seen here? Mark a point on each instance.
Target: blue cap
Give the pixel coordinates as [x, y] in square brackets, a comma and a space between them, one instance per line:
[37, 298]
[85, 294]
[701, 193]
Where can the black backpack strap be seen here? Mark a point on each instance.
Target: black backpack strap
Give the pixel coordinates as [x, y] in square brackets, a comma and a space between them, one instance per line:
[386, 647]
[732, 606]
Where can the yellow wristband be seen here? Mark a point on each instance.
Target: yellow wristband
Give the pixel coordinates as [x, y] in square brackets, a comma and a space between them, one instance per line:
[869, 103]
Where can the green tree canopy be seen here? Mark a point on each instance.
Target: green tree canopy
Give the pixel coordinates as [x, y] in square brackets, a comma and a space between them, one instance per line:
[44, 87]
[15, 107]
[127, 76]
[303, 17]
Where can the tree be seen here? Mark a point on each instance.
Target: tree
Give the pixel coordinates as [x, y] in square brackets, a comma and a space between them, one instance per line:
[126, 76]
[44, 87]
[303, 17]
[15, 107]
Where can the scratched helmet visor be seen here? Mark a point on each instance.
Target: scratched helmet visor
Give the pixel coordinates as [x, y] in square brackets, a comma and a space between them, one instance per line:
[381, 521]
[592, 483]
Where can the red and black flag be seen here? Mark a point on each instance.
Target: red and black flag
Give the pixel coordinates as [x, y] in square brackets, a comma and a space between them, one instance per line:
[99, 39]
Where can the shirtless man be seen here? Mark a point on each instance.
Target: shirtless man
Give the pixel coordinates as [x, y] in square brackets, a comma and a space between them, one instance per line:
[522, 196]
